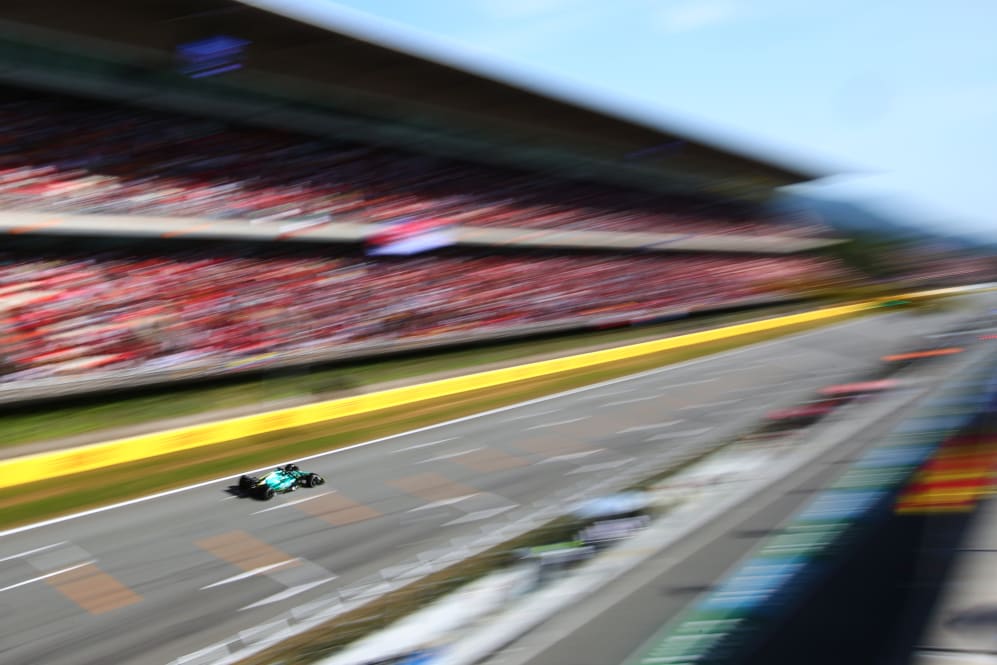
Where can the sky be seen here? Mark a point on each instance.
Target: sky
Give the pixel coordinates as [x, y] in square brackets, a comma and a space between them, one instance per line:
[897, 97]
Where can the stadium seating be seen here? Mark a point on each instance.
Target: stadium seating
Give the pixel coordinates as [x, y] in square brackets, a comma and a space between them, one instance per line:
[66, 155]
[71, 314]
[77, 313]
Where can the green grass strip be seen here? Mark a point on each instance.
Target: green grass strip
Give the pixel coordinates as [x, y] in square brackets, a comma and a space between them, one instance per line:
[55, 422]
[38, 501]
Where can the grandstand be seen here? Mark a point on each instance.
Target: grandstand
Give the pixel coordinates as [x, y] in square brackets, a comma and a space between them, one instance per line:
[192, 188]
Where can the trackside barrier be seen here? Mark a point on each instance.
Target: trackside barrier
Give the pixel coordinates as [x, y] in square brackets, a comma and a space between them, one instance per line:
[29, 468]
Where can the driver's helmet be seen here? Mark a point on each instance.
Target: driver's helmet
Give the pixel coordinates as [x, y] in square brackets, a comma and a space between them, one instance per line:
[290, 468]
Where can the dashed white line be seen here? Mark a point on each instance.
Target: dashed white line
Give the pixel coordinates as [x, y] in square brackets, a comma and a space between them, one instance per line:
[30, 552]
[356, 593]
[607, 393]
[706, 405]
[479, 515]
[571, 456]
[743, 409]
[676, 435]
[588, 468]
[48, 575]
[559, 422]
[391, 572]
[284, 595]
[442, 502]
[211, 654]
[250, 573]
[287, 504]
[688, 383]
[451, 455]
[259, 633]
[426, 445]
[644, 428]
[474, 416]
[527, 416]
[631, 401]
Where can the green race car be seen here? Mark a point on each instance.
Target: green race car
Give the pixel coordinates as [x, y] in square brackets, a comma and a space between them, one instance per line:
[279, 481]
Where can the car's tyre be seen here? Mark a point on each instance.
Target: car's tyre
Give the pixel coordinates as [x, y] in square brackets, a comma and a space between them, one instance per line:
[246, 483]
[313, 480]
[265, 493]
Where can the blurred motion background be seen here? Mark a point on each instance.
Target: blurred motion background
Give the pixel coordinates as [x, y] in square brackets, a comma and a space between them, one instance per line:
[242, 192]
[239, 187]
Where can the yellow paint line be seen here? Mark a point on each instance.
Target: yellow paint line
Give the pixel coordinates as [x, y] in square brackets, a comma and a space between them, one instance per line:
[18, 470]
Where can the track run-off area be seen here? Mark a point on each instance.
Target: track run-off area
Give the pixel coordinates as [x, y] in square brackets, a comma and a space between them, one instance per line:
[157, 579]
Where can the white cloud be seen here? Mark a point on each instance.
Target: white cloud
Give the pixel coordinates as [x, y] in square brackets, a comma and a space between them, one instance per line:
[696, 14]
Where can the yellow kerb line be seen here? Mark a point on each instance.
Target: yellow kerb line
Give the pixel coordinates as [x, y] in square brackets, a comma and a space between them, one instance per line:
[19, 470]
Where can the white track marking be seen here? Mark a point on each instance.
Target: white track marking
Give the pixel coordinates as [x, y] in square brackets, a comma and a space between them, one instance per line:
[203, 656]
[426, 445]
[286, 504]
[644, 428]
[571, 456]
[527, 416]
[706, 405]
[474, 416]
[604, 466]
[631, 401]
[48, 575]
[677, 435]
[30, 552]
[610, 393]
[479, 515]
[451, 455]
[284, 595]
[559, 422]
[250, 573]
[688, 383]
[442, 502]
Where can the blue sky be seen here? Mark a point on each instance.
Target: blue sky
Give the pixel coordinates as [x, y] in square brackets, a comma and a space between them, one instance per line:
[900, 96]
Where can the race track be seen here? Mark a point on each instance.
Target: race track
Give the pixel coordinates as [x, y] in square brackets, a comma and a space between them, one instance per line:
[153, 581]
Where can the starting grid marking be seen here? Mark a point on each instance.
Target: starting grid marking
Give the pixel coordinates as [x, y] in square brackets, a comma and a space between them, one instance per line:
[74, 573]
[316, 612]
[474, 516]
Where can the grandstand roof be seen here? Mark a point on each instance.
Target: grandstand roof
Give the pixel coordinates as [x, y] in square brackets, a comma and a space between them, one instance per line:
[333, 62]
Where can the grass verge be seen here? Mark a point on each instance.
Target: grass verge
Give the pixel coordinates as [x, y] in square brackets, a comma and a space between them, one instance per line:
[338, 633]
[21, 426]
[37, 501]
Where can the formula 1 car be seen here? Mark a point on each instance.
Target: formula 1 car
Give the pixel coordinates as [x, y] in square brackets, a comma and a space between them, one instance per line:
[279, 481]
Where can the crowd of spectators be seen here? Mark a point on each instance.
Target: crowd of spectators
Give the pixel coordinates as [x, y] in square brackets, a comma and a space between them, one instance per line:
[74, 313]
[67, 155]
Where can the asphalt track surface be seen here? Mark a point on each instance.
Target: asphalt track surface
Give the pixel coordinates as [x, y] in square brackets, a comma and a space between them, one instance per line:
[154, 580]
[611, 627]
